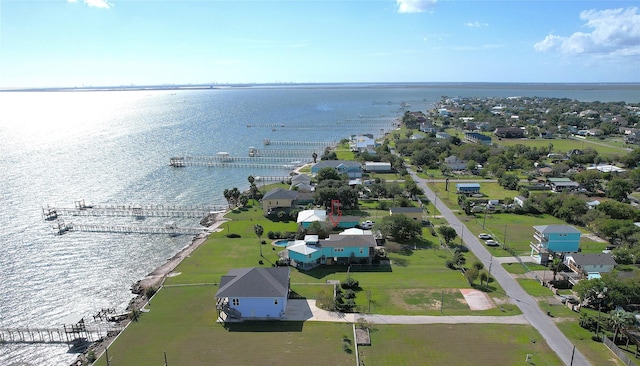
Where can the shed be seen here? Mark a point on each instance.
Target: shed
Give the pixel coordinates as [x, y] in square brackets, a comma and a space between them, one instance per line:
[467, 188]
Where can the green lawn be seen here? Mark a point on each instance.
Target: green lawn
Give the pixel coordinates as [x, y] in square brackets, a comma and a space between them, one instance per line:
[603, 147]
[182, 324]
[456, 344]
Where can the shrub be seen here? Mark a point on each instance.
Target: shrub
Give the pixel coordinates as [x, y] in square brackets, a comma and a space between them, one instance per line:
[271, 235]
[150, 291]
[350, 283]
[233, 236]
[349, 294]
[449, 263]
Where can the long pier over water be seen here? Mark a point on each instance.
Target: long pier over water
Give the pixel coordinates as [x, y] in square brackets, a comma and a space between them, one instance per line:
[82, 209]
[62, 227]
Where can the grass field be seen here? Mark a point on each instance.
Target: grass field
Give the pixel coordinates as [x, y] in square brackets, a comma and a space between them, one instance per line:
[459, 344]
[603, 147]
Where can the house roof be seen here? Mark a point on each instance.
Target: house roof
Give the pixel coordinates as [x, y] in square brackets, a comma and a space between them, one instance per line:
[280, 194]
[558, 180]
[557, 229]
[356, 231]
[590, 259]
[255, 282]
[311, 215]
[401, 210]
[336, 163]
[467, 185]
[300, 246]
[341, 241]
[300, 178]
[565, 184]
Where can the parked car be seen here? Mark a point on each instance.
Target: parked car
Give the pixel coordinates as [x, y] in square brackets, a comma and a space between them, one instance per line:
[492, 243]
[367, 224]
[484, 236]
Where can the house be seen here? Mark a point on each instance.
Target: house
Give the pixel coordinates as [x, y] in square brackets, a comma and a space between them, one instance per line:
[454, 163]
[509, 132]
[340, 249]
[374, 166]
[352, 169]
[307, 217]
[606, 168]
[467, 188]
[301, 182]
[362, 143]
[411, 212]
[592, 204]
[562, 184]
[594, 132]
[550, 239]
[253, 293]
[345, 222]
[477, 138]
[519, 200]
[443, 135]
[588, 265]
[278, 198]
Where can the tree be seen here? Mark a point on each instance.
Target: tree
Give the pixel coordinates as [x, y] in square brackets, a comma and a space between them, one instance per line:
[259, 230]
[448, 233]
[327, 174]
[618, 189]
[315, 157]
[556, 266]
[471, 275]
[227, 196]
[509, 181]
[400, 227]
[235, 195]
[252, 184]
[620, 319]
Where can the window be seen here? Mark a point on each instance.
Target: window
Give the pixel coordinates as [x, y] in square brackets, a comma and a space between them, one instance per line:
[235, 302]
[361, 250]
[275, 301]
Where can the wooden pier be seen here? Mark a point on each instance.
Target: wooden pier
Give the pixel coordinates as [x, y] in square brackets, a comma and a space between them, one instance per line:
[82, 209]
[179, 163]
[280, 178]
[62, 227]
[68, 334]
[273, 154]
[307, 143]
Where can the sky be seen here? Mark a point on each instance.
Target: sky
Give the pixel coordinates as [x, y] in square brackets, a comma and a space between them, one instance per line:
[75, 43]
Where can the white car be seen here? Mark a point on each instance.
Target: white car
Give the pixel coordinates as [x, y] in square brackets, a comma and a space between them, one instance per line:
[492, 243]
[367, 224]
[484, 236]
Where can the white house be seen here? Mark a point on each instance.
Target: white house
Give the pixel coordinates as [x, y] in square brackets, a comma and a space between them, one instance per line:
[253, 293]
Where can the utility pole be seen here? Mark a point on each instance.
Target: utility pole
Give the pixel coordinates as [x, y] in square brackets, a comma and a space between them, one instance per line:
[504, 240]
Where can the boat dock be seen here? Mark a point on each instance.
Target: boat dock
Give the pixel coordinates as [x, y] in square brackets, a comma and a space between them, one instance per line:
[272, 154]
[81, 209]
[62, 227]
[307, 143]
[281, 178]
[67, 333]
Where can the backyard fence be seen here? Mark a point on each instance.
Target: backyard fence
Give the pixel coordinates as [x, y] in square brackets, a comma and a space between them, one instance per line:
[618, 352]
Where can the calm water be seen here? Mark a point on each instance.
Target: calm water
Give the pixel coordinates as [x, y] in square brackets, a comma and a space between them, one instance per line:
[114, 147]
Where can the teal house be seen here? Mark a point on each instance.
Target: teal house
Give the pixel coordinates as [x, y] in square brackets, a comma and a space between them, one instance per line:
[550, 239]
[341, 249]
[351, 169]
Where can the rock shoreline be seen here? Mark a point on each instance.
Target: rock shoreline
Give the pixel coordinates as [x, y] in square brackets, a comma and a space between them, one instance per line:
[153, 280]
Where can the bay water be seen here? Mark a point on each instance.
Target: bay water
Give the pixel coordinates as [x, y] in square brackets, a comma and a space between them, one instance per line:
[113, 147]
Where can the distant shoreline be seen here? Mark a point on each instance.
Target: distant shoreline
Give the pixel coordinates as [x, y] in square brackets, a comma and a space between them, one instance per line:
[473, 85]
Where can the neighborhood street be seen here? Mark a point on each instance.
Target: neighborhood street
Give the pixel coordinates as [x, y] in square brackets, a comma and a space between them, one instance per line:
[541, 321]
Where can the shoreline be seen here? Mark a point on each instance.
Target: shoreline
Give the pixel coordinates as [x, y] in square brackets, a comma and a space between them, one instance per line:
[154, 279]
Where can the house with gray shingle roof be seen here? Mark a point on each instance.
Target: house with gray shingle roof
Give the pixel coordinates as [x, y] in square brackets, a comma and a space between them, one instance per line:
[278, 198]
[253, 293]
[352, 169]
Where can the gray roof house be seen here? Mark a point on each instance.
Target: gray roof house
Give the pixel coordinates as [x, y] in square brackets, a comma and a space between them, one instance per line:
[254, 293]
[352, 169]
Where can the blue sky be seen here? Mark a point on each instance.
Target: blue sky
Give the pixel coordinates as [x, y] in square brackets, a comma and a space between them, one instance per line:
[141, 42]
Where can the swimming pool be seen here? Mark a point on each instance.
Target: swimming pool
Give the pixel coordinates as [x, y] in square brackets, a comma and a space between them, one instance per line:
[281, 243]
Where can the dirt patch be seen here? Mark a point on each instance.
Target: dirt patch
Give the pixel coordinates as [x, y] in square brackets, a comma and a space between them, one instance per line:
[418, 299]
[477, 300]
[363, 338]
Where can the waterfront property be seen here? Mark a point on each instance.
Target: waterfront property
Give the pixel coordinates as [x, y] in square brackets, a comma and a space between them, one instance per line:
[253, 293]
[278, 198]
[301, 183]
[352, 169]
[551, 239]
[342, 249]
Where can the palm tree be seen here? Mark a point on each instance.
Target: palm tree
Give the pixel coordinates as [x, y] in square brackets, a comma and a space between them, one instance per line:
[252, 181]
[556, 265]
[235, 194]
[259, 230]
[620, 319]
[227, 196]
[315, 157]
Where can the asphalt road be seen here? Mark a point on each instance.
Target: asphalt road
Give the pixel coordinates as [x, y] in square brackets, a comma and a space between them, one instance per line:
[538, 319]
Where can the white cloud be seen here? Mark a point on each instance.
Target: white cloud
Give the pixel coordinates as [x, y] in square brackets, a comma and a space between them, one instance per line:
[476, 24]
[415, 6]
[102, 4]
[614, 32]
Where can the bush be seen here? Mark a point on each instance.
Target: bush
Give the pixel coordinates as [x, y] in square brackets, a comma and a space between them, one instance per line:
[271, 235]
[150, 291]
[350, 283]
[449, 263]
[349, 294]
[233, 236]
